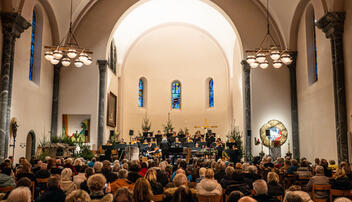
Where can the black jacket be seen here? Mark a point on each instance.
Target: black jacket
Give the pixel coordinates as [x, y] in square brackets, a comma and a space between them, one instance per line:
[157, 188]
[341, 183]
[274, 189]
[265, 198]
[52, 195]
[219, 175]
[226, 181]
[133, 176]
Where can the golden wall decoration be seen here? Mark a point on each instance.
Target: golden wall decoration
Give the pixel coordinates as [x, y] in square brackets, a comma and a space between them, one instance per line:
[277, 133]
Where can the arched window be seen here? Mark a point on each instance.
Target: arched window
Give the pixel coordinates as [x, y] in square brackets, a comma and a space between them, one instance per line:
[140, 93]
[211, 93]
[36, 46]
[113, 56]
[176, 95]
[31, 62]
[312, 60]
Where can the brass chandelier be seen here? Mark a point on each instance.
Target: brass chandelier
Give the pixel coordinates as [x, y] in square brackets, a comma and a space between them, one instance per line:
[68, 51]
[259, 57]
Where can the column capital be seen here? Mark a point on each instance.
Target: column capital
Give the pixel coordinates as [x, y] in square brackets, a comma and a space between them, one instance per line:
[13, 24]
[332, 24]
[245, 66]
[102, 64]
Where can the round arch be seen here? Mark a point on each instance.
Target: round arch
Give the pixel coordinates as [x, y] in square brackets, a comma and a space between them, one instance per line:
[30, 144]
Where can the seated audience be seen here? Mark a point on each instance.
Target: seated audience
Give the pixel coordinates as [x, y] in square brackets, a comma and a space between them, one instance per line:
[235, 196]
[156, 187]
[122, 182]
[78, 195]
[25, 171]
[107, 172]
[293, 168]
[142, 191]
[144, 169]
[327, 170]
[318, 179]
[53, 168]
[251, 176]
[92, 162]
[179, 180]
[123, 195]
[228, 179]
[201, 174]
[209, 186]
[220, 171]
[43, 172]
[6, 176]
[66, 183]
[98, 166]
[96, 185]
[77, 164]
[274, 188]
[88, 172]
[184, 194]
[133, 175]
[332, 165]
[53, 192]
[261, 192]
[341, 181]
[81, 176]
[20, 194]
[304, 170]
[297, 196]
[68, 164]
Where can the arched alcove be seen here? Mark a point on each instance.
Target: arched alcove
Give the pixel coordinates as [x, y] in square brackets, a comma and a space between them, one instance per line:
[30, 145]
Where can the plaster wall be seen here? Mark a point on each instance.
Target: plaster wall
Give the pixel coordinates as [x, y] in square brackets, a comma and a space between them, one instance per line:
[31, 102]
[316, 101]
[166, 54]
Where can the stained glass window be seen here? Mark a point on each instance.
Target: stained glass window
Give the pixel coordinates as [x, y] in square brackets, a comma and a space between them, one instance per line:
[31, 62]
[140, 93]
[211, 93]
[315, 50]
[176, 95]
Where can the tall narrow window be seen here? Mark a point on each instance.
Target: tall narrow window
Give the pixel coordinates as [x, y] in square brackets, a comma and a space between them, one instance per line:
[311, 40]
[211, 93]
[140, 93]
[31, 62]
[176, 95]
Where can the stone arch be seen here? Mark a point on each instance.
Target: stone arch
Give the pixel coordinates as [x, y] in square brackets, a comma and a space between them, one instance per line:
[30, 144]
[320, 8]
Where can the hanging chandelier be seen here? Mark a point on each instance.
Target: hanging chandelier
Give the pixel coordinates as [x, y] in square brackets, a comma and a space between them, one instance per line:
[259, 57]
[68, 51]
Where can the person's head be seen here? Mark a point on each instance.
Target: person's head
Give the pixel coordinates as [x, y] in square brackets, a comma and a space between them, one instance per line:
[53, 181]
[142, 190]
[96, 183]
[292, 196]
[317, 161]
[134, 167]
[151, 175]
[182, 164]
[24, 182]
[77, 162]
[294, 162]
[287, 162]
[229, 170]
[202, 172]
[273, 177]
[294, 188]
[260, 187]
[26, 167]
[332, 162]
[106, 165]
[68, 161]
[20, 194]
[268, 159]
[340, 172]
[182, 194]
[304, 163]
[342, 199]
[43, 166]
[123, 195]
[235, 196]
[209, 173]
[58, 162]
[5, 168]
[252, 169]
[123, 173]
[77, 196]
[66, 174]
[238, 166]
[319, 170]
[180, 179]
[247, 199]
[98, 166]
[116, 167]
[89, 172]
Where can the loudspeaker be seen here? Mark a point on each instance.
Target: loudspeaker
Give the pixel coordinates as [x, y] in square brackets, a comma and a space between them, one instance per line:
[267, 133]
[131, 132]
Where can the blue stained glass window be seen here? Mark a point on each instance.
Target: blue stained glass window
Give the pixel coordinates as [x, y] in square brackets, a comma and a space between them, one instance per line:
[140, 93]
[31, 62]
[211, 93]
[176, 95]
[315, 50]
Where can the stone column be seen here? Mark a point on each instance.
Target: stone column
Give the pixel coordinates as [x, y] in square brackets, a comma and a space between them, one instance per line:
[12, 26]
[332, 25]
[55, 100]
[247, 106]
[102, 64]
[294, 106]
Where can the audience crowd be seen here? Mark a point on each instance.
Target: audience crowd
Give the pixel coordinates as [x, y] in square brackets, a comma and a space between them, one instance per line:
[59, 180]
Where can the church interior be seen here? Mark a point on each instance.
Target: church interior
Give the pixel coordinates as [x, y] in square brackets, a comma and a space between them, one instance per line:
[273, 77]
[187, 62]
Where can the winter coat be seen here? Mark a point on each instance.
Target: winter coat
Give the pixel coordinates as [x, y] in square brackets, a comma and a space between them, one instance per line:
[67, 186]
[274, 189]
[208, 187]
[7, 180]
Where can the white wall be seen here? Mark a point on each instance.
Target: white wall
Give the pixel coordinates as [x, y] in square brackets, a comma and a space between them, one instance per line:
[31, 103]
[175, 52]
[316, 102]
[348, 68]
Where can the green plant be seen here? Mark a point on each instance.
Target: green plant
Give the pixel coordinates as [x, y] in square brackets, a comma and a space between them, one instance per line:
[168, 126]
[86, 153]
[55, 139]
[43, 154]
[67, 140]
[236, 135]
[146, 124]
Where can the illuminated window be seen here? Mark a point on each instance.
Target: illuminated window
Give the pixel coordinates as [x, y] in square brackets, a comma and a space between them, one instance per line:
[176, 95]
[211, 93]
[140, 93]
